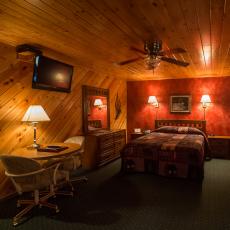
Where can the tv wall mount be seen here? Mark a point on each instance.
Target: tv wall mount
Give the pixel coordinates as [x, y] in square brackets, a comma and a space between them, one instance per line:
[26, 52]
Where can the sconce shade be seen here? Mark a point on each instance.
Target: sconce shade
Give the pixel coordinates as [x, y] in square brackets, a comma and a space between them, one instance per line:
[205, 99]
[98, 102]
[153, 100]
[35, 113]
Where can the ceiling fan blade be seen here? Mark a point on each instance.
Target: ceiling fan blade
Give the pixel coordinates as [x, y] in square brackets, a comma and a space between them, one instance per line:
[128, 61]
[138, 50]
[174, 61]
[172, 51]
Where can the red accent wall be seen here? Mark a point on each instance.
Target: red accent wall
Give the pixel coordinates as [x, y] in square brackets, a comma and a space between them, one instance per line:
[142, 115]
[99, 114]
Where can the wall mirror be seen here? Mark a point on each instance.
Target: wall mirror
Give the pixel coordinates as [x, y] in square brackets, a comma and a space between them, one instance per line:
[96, 113]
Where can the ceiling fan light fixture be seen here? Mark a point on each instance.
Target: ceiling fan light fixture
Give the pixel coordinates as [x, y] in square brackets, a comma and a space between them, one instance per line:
[152, 62]
[154, 55]
[153, 47]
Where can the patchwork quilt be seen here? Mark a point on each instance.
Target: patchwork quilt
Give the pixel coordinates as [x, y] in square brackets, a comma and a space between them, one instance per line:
[178, 144]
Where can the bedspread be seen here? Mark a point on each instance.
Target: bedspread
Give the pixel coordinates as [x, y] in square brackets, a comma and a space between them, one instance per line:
[185, 148]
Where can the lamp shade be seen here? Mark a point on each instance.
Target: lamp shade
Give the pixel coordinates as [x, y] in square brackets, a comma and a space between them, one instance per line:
[98, 102]
[152, 100]
[35, 113]
[205, 99]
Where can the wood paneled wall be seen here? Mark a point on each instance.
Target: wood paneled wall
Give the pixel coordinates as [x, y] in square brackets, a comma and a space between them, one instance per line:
[64, 109]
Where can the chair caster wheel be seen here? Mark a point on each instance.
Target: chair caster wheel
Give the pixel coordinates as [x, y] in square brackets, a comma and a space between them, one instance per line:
[15, 223]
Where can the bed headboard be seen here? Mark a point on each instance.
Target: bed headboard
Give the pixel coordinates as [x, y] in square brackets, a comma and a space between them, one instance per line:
[95, 123]
[199, 124]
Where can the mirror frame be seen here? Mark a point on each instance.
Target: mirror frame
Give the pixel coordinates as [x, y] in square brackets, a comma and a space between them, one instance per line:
[93, 91]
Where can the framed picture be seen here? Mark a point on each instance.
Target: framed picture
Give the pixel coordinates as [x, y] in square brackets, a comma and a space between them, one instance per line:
[180, 104]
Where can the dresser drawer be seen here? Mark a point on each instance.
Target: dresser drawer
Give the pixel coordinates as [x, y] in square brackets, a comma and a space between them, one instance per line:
[106, 145]
[119, 135]
[101, 148]
[106, 139]
[105, 156]
[119, 144]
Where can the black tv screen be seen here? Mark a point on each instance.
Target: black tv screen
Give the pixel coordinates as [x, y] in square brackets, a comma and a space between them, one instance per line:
[51, 74]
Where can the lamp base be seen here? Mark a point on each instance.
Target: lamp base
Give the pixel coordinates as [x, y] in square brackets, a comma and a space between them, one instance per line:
[33, 146]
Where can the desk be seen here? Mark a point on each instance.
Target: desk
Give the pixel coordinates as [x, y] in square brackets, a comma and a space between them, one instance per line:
[36, 155]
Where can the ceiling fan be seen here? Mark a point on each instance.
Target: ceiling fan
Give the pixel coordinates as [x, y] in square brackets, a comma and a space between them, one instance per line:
[154, 55]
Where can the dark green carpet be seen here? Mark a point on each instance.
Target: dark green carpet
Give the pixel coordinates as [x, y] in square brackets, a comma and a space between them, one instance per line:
[137, 201]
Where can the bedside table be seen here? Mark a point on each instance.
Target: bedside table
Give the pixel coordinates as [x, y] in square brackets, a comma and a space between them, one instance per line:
[136, 135]
[220, 146]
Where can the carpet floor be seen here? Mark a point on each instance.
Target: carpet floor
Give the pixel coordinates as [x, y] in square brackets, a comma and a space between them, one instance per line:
[113, 201]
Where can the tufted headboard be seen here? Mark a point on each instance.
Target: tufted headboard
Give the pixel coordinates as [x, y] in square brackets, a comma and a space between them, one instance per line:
[199, 124]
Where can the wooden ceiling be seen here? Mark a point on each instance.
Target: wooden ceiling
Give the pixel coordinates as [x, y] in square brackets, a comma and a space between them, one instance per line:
[97, 33]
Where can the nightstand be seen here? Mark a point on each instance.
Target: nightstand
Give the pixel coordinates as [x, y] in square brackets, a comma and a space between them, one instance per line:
[136, 135]
[220, 146]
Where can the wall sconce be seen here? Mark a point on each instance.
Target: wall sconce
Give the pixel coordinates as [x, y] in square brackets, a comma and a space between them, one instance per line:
[205, 100]
[35, 114]
[98, 103]
[153, 101]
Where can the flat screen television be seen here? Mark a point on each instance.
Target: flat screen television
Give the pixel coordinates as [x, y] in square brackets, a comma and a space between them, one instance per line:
[50, 74]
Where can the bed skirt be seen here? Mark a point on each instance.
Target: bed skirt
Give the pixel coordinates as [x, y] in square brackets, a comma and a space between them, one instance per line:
[163, 168]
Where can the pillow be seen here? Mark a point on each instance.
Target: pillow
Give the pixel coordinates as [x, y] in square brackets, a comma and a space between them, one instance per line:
[179, 129]
[192, 130]
[167, 129]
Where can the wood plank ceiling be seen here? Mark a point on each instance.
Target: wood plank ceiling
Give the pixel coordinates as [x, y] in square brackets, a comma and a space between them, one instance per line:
[97, 33]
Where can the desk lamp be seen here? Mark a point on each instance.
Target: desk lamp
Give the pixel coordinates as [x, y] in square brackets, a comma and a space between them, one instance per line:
[35, 114]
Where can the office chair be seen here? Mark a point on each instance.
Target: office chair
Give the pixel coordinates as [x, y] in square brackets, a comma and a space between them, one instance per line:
[73, 162]
[28, 175]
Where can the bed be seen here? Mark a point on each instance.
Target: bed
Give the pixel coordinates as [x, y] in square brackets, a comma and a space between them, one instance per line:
[175, 149]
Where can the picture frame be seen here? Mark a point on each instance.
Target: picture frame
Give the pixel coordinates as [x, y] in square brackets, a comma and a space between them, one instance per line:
[180, 104]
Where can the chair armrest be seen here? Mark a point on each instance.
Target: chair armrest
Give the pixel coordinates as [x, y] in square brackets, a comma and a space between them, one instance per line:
[24, 174]
[33, 172]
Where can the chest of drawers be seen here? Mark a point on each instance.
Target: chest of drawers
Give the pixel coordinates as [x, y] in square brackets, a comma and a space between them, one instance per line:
[103, 147]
